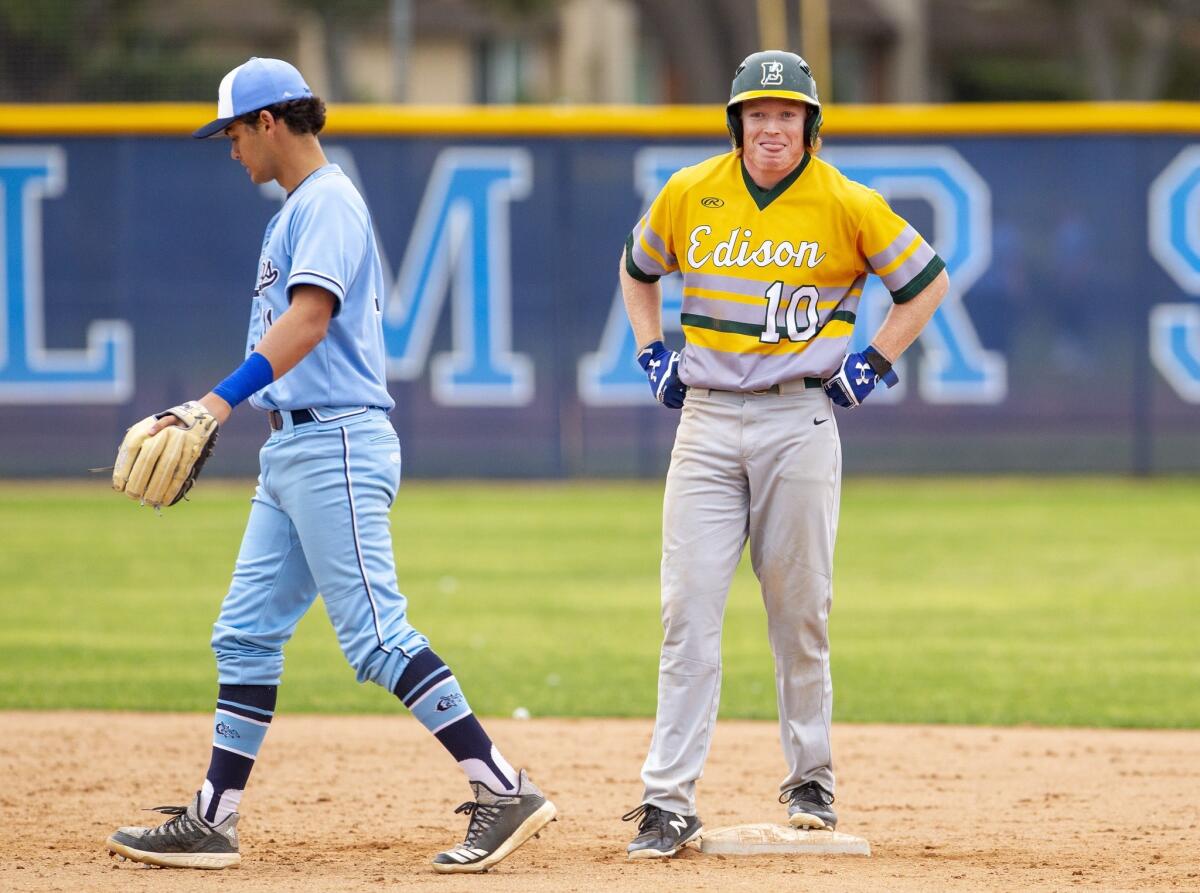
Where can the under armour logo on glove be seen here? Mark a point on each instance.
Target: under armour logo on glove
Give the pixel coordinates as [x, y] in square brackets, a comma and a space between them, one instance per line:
[662, 368]
[857, 377]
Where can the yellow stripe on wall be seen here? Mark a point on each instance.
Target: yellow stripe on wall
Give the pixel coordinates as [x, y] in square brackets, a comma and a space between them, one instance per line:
[706, 121]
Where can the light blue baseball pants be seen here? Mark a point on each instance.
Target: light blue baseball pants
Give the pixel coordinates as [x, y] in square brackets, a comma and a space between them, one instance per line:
[319, 523]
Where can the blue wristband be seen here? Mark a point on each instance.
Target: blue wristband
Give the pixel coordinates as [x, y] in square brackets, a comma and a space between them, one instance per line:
[252, 376]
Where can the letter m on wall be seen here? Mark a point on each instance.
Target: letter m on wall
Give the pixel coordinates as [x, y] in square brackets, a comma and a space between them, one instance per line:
[460, 247]
[30, 372]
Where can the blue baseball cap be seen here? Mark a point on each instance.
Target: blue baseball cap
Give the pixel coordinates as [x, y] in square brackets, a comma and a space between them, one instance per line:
[251, 86]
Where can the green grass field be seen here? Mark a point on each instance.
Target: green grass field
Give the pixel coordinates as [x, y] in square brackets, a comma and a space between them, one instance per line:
[1045, 601]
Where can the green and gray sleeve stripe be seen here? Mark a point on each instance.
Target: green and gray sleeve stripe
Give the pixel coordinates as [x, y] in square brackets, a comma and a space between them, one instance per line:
[631, 268]
[638, 258]
[920, 281]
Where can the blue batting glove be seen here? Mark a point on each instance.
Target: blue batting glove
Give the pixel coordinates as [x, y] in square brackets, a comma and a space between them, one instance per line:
[857, 377]
[662, 368]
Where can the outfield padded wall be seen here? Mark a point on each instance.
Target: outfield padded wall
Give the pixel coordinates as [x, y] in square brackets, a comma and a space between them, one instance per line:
[1071, 341]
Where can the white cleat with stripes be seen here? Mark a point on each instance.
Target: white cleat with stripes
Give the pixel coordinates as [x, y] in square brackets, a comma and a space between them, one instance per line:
[499, 824]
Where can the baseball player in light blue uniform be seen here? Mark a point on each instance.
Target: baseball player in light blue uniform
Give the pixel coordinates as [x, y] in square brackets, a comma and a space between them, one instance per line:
[330, 470]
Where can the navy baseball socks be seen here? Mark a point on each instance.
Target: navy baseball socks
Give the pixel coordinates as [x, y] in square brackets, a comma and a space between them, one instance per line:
[430, 691]
[243, 714]
[426, 687]
[508, 808]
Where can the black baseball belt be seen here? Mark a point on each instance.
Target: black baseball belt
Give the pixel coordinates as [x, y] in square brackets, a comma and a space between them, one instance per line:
[787, 387]
[299, 417]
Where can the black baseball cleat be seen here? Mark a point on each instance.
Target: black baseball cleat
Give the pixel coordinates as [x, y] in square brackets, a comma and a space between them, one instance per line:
[184, 841]
[661, 834]
[809, 806]
[499, 824]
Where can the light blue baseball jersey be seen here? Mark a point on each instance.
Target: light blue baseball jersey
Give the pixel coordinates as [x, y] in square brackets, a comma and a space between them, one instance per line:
[323, 236]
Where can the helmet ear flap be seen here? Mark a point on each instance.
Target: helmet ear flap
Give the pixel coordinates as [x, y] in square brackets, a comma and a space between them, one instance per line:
[733, 119]
[812, 126]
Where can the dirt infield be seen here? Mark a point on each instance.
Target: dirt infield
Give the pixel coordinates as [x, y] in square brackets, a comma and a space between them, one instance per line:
[362, 803]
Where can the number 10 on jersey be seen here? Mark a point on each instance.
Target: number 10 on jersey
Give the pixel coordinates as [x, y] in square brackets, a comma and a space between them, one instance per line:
[801, 324]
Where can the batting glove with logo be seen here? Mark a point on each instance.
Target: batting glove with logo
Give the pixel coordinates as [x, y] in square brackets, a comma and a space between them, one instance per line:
[857, 377]
[662, 368]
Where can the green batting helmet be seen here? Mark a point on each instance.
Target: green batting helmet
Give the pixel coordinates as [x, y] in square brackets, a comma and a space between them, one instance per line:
[777, 74]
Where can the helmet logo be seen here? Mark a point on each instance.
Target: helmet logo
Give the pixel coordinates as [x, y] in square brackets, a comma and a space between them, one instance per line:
[772, 74]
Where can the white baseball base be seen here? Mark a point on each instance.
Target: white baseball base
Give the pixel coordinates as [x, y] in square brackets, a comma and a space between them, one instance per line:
[764, 838]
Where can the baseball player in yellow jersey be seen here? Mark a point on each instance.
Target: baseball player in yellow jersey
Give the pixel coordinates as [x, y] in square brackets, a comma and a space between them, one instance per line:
[774, 246]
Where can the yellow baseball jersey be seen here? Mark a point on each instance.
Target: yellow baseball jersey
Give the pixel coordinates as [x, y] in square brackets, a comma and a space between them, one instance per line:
[772, 278]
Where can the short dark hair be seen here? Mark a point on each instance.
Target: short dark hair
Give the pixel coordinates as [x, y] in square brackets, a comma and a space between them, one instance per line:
[305, 115]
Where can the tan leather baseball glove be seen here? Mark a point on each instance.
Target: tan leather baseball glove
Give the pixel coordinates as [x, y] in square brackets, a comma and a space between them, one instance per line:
[160, 470]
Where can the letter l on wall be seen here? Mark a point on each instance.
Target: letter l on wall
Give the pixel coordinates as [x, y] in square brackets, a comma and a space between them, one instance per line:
[30, 372]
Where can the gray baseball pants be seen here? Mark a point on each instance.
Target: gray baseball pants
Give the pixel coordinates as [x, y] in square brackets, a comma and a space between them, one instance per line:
[763, 467]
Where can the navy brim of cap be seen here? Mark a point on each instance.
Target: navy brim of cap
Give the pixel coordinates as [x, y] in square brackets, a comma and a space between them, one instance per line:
[213, 127]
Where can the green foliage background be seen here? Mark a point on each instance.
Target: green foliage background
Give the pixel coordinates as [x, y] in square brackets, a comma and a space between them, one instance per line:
[1047, 601]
